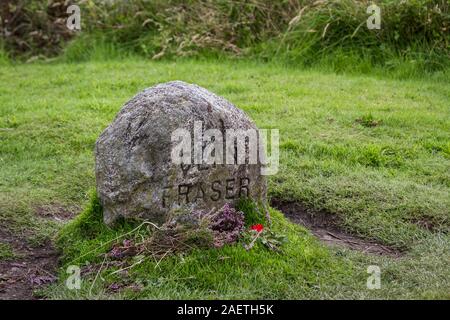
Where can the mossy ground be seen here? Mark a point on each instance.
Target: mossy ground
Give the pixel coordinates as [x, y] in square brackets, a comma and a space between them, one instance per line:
[372, 150]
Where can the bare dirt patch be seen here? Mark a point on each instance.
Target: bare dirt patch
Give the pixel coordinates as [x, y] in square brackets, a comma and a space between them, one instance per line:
[57, 212]
[31, 268]
[326, 227]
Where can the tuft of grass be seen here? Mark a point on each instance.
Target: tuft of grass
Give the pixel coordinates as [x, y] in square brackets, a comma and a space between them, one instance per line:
[4, 58]
[368, 121]
[254, 213]
[6, 252]
[413, 36]
[93, 48]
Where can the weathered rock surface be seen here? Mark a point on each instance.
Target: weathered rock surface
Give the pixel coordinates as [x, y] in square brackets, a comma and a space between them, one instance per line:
[136, 177]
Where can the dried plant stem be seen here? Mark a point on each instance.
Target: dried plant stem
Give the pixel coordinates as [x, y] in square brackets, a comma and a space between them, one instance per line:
[96, 276]
[157, 264]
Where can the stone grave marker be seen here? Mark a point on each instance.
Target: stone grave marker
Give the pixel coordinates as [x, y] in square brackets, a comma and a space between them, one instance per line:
[177, 146]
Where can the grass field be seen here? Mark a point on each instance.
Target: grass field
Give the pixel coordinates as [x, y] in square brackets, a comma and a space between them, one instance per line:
[374, 151]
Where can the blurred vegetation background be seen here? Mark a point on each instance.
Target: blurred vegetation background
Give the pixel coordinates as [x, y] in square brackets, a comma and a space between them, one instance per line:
[414, 35]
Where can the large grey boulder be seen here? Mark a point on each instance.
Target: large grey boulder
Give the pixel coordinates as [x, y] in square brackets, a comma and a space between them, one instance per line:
[136, 175]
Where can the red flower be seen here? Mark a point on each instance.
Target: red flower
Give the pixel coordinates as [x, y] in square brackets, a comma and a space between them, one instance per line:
[257, 227]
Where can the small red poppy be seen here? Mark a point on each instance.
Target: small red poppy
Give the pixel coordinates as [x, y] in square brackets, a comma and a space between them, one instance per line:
[257, 227]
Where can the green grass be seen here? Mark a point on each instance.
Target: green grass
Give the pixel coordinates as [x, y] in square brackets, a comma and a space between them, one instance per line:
[413, 38]
[374, 151]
